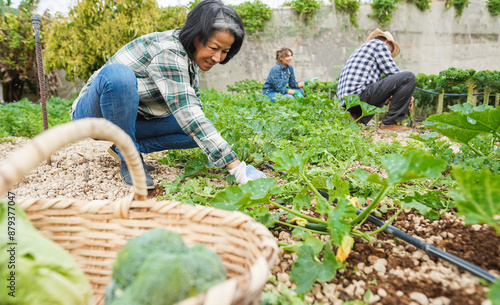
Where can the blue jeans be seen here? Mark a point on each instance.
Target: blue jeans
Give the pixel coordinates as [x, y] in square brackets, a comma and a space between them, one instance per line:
[113, 95]
[272, 94]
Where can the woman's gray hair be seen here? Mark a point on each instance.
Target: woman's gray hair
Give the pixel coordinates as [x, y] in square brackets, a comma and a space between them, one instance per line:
[222, 23]
[208, 17]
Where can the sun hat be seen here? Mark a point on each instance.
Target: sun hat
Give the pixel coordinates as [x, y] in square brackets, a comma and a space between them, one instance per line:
[388, 36]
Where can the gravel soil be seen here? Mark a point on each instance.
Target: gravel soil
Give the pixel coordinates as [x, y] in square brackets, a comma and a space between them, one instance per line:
[394, 271]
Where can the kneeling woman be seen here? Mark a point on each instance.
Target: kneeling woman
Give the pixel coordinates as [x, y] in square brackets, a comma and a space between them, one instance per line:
[282, 75]
[149, 88]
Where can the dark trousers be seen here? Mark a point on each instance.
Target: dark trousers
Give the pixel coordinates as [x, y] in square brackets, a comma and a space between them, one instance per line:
[400, 86]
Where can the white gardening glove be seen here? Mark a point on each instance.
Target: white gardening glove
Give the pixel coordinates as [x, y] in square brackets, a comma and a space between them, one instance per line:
[244, 173]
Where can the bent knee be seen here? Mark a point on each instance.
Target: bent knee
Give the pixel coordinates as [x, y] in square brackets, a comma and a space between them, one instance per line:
[409, 76]
[119, 73]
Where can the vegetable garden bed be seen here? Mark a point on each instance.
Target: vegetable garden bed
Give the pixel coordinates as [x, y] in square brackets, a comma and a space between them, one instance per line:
[384, 271]
[392, 270]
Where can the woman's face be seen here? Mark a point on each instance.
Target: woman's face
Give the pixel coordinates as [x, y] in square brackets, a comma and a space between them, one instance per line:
[286, 60]
[215, 51]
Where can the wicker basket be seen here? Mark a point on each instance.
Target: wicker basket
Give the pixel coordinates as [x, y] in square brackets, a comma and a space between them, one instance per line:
[94, 231]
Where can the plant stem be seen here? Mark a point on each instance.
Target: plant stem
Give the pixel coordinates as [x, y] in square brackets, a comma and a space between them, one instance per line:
[371, 206]
[475, 150]
[294, 226]
[382, 228]
[313, 219]
[205, 195]
[320, 197]
[496, 227]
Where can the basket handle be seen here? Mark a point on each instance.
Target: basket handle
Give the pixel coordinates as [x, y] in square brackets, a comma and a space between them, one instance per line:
[22, 161]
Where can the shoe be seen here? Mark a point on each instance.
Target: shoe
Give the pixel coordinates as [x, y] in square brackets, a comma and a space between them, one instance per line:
[127, 178]
[393, 128]
[114, 153]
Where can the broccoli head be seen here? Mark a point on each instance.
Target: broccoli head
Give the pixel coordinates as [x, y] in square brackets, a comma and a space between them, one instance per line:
[164, 277]
[137, 250]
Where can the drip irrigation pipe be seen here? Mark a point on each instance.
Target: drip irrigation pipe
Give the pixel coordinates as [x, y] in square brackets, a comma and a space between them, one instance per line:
[429, 249]
[448, 94]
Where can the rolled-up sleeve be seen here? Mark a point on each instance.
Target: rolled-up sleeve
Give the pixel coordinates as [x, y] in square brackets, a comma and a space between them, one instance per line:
[170, 73]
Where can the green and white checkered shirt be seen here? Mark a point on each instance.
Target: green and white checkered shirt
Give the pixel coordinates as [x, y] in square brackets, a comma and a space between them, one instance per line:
[168, 84]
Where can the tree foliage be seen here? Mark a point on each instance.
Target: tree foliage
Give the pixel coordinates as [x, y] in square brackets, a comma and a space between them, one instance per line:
[95, 29]
[17, 48]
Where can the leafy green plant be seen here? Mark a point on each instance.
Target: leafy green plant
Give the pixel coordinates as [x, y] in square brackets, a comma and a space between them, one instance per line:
[467, 123]
[283, 297]
[340, 222]
[493, 7]
[477, 197]
[453, 77]
[75, 43]
[425, 102]
[350, 7]
[246, 86]
[254, 15]
[489, 80]
[325, 88]
[305, 8]
[24, 118]
[383, 9]
[367, 109]
[459, 6]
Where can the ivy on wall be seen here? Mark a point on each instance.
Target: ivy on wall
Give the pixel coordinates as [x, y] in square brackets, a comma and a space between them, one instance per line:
[383, 9]
[459, 6]
[350, 7]
[493, 7]
[305, 8]
[254, 15]
[423, 5]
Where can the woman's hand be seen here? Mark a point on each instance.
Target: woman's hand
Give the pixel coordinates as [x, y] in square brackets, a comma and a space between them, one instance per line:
[244, 173]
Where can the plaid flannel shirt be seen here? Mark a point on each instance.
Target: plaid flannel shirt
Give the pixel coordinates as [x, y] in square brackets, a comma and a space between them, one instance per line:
[364, 67]
[279, 77]
[168, 84]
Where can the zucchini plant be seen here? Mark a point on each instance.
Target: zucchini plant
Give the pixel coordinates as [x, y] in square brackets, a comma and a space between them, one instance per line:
[467, 123]
[337, 216]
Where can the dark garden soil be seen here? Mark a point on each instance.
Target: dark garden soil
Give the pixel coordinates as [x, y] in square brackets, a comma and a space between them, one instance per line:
[479, 247]
[399, 273]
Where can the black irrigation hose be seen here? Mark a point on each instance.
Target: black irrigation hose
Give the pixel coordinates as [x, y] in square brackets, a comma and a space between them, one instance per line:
[448, 94]
[429, 249]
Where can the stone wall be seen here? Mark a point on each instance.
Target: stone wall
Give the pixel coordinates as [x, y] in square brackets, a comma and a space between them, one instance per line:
[430, 41]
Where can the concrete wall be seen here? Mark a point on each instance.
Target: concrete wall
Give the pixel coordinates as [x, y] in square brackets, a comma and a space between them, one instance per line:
[430, 41]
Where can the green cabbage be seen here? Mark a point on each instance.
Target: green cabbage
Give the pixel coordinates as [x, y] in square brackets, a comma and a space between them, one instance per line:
[39, 272]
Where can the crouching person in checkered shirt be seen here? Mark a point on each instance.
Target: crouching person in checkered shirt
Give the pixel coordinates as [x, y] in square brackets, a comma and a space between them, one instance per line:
[361, 75]
[149, 88]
